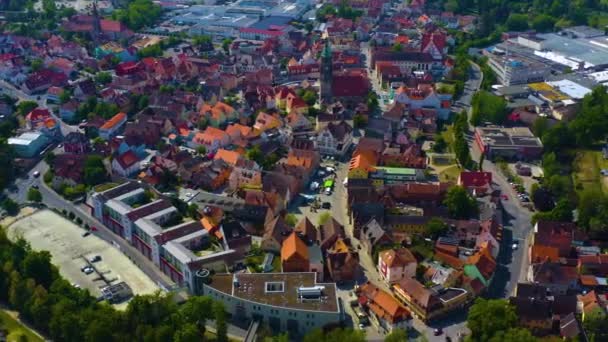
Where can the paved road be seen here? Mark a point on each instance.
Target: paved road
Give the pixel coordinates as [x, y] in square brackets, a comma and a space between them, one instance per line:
[52, 200]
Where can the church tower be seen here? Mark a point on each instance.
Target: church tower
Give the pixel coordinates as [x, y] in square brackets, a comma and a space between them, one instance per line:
[326, 73]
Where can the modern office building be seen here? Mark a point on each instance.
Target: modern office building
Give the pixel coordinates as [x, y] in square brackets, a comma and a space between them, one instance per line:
[293, 302]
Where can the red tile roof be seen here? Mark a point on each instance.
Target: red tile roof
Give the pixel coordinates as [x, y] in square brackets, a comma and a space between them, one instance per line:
[475, 178]
[127, 159]
[115, 120]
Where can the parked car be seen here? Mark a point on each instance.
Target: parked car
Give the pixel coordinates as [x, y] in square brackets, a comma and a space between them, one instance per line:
[96, 258]
[36, 174]
[326, 205]
[85, 234]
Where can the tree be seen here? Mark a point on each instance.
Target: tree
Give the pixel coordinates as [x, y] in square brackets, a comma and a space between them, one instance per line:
[36, 64]
[33, 195]
[139, 13]
[310, 97]
[488, 107]
[502, 316]
[595, 326]
[188, 333]
[10, 206]
[323, 218]
[49, 158]
[435, 228]
[24, 107]
[94, 170]
[291, 219]
[517, 22]
[397, 335]
[514, 335]
[103, 77]
[460, 204]
[226, 45]
[338, 334]
[372, 101]
[65, 97]
[543, 23]
[440, 144]
[37, 265]
[220, 322]
[359, 121]
[202, 150]
[397, 47]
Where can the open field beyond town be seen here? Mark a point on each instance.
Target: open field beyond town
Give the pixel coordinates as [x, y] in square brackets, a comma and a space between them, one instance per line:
[16, 331]
[587, 166]
[46, 230]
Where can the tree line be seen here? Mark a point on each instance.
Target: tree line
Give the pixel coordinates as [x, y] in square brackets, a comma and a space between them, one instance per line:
[562, 142]
[31, 285]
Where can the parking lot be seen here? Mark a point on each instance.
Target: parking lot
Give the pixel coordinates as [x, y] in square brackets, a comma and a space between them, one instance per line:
[47, 230]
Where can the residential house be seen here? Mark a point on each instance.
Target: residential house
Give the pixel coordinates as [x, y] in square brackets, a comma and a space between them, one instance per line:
[212, 139]
[477, 183]
[85, 89]
[384, 308]
[42, 80]
[68, 110]
[294, 254]
[126, 164]
[481, 266]
[373, 236]
[68, 169]
[265, 121]
[329, 232]
[342, 261]
[113, 126]
[218, 114]
[76, 143]
[335, 139]
[297, 122]
[558, 277]
[425, 96]
[395, 265]
[276, 231]
[555, 234]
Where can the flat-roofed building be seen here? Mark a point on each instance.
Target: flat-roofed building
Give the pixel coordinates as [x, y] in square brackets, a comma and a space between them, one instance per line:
[293, 302]
[28, 144]
[516, 69]
[509, 143]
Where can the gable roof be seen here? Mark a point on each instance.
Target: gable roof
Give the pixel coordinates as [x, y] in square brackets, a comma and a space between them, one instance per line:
[114, 121]
[475, 178]
[230, 157]
[127, 159]
[397, 258]
[294, 247]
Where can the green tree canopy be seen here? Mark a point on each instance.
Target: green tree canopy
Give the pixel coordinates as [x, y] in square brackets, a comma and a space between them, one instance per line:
[490, 317]
[460, 204]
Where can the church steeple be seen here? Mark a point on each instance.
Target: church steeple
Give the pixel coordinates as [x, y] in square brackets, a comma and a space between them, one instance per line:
[326, 72]
[96, 25]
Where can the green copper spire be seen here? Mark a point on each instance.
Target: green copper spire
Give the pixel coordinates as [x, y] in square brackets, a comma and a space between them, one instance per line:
[326, 50]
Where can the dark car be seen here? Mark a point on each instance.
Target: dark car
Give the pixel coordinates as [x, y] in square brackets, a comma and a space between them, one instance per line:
[96, 258]
[85, 234]
[326, 205]
[438, 331]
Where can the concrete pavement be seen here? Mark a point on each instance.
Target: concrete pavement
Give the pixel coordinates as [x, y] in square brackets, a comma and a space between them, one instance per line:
[53, 200]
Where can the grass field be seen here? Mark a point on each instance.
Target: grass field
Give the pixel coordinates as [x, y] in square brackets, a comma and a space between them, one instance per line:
[16, 330]
[587, 165]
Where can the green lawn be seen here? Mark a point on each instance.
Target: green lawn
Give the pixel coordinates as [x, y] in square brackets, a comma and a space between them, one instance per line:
[449, 173]
[16, 330]
[587, 165]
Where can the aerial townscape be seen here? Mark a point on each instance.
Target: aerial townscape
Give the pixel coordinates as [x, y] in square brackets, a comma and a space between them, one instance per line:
[303, 170]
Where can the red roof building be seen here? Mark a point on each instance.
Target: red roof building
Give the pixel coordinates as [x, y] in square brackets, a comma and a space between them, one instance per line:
[477, 182]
